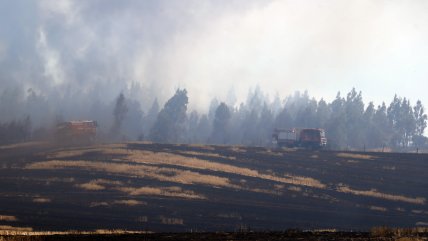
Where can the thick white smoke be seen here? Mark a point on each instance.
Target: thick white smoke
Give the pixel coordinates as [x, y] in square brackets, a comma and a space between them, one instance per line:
[74, 55]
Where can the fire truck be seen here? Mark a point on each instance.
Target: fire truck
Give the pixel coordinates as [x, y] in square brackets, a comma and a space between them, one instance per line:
[76, 132]
[300, 137]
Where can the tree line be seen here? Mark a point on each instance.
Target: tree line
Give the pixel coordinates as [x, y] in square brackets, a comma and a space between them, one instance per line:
[348, 121]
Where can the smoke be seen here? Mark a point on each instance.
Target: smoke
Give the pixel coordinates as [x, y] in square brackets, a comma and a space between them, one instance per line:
[74, 57]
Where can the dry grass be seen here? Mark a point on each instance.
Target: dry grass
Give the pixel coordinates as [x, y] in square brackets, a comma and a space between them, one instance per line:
[188, 177]
[271, 153]
[398, 233]
[161, 191]
[352, 161]
[380, 209]
[376, 194]
[294, 189]
[142, 171]
[5, 229]
[8, 218]
[90, 186]
[129, 202]
[207, 154]
[98, 184]
[28, 231]
[356, 156]
[146, 159]
[420, 212]
[41, 200]
[170, 159]
[238, 149]
[23, 145]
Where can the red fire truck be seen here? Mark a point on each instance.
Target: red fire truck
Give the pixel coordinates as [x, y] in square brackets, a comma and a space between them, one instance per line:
[76, 132]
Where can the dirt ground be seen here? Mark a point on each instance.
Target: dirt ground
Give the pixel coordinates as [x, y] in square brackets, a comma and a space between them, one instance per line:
[198, 188]
[222, 236]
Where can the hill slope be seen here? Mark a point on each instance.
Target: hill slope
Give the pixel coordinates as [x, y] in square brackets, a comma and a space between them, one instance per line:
[160, 187]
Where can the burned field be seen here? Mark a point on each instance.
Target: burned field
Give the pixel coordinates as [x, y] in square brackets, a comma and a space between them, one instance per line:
[183, 188]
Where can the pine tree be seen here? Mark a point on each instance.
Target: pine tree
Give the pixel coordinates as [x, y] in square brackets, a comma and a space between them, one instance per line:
[170, 123]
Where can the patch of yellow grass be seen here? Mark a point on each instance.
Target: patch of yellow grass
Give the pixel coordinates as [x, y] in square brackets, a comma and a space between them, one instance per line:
[380, 209]
[294, 189]
[417, 211]
[143, 171]
[161, 191]
[170, 159]
[356, 156]
[271, 153]
[147, 166]
[57, 179]
[238, 149]
[376, 194]
[203, 154]
[91, 186]
[98, 184]
[23, 145]
[41, 200]
[27, 231]
[147, 159]
[8, 218]
[129, 202]
[352, 161]
[5, 228]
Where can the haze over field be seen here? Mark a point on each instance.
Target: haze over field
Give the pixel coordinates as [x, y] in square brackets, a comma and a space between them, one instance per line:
[62, 49]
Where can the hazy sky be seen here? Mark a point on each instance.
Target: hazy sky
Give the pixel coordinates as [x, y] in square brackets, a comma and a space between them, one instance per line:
[98, 48]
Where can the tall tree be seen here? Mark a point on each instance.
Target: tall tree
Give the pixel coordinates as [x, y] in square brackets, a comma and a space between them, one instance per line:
[381, 133]
[394, 117]
[119, 113]
[265, 125]
[402, 121]
[354, 109]
[408, 122]
[151, 116]
[170, 123]
[336, 127]
[421, 123]
[420, 118]
[220, 134]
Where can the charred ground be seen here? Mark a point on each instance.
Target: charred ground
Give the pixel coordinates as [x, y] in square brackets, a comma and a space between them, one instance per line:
[164, 187]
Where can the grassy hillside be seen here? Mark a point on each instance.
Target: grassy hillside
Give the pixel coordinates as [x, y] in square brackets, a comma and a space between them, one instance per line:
[160, 187]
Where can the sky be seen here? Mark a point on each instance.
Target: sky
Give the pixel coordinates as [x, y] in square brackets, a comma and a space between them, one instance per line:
[91, 50]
